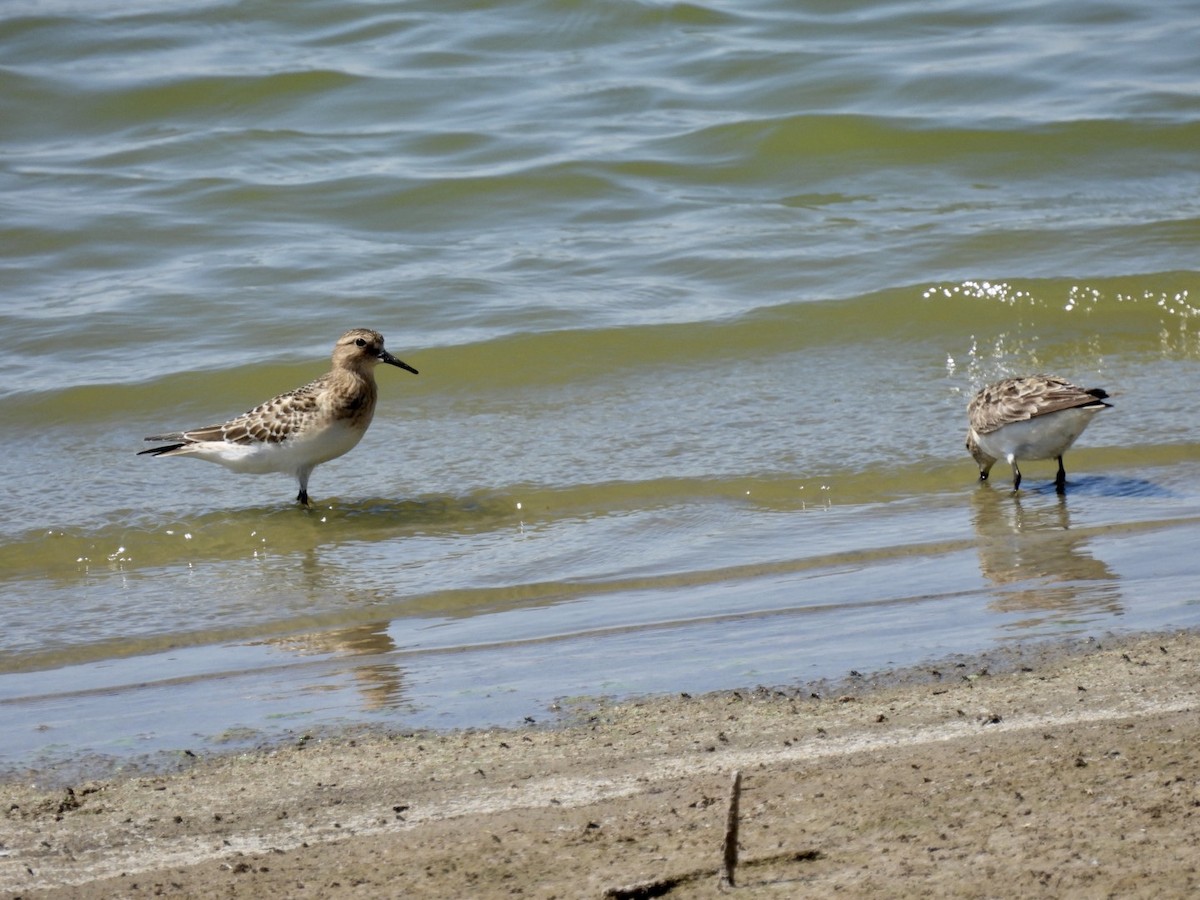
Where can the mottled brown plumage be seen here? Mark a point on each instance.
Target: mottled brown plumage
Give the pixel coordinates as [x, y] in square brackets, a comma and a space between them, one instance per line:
[1035, 417]
[300, 429]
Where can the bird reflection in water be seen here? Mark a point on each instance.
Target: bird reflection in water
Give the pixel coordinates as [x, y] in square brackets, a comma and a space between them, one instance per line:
[1037, 563]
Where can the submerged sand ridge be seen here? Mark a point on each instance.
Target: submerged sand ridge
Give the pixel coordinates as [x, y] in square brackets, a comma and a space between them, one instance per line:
[1075, 774]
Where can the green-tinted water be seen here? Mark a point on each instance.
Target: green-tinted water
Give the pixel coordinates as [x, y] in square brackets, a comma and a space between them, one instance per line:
[698, 295]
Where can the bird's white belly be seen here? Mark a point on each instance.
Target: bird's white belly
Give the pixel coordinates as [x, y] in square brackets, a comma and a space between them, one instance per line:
[1042, 437]
[290, 456]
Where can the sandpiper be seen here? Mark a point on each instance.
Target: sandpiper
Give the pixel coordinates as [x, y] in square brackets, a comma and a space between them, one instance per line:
[297, 431]
[1036, 417]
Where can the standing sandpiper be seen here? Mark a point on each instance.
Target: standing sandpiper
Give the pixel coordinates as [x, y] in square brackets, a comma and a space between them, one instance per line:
[1037, 417]
[297, 431]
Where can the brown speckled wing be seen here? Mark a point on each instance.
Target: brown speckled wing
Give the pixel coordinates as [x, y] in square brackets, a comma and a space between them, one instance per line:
[270, 423]
[1019, 399]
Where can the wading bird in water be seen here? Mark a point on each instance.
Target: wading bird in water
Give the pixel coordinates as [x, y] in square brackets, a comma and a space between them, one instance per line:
[1036, 417]
[296, 431]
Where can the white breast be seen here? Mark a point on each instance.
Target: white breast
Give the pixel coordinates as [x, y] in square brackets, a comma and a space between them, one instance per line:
[1042, 437]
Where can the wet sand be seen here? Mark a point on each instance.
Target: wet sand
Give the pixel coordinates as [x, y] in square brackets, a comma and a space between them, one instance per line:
[1057, 771]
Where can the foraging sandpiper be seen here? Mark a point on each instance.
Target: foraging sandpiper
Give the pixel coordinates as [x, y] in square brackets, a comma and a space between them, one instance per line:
[1036, 417]
[298, 430]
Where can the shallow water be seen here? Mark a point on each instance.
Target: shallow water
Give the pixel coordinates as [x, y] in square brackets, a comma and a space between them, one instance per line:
[698, 294]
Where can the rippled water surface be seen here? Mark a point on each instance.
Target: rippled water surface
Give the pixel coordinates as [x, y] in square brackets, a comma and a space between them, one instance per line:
[698, 293]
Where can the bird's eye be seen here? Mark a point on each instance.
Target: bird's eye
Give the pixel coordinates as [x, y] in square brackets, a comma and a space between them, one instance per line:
[361, 342]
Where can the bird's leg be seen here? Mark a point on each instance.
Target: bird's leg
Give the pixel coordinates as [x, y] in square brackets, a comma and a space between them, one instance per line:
[1060, 480]
[1016, 476]
[302, 477]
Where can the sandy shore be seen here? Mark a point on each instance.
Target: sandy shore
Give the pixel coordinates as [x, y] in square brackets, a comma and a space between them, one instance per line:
[1076, 774]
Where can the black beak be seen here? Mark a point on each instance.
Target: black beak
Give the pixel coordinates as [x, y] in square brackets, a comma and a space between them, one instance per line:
[386, 357]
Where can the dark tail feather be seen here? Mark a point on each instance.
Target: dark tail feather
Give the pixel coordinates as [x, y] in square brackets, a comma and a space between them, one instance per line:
[159, 451]
[1098, 393]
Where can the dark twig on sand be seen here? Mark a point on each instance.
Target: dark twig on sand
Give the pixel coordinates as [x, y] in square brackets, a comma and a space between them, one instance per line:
[731, 830]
